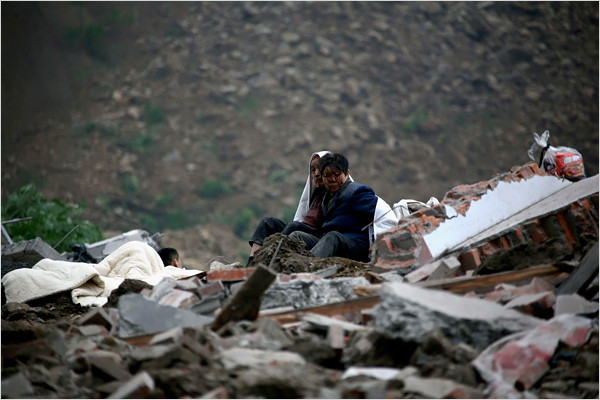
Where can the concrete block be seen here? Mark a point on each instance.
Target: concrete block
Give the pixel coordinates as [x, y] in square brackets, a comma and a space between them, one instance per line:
[106, 368]
[96, 316]
[239, 358]
[574, 304]
[16, 386]
[430, 388]
[168, 337]
[538, 304]
[211, 289]
[305, 293]
[409, 313]
[140, 316]
[446, 268]
[139, 386]
[30, 251]
[179, 299]
[206, 306]
[218, 393]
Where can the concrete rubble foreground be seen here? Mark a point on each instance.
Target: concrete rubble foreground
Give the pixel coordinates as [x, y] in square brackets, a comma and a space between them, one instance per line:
[499, 325]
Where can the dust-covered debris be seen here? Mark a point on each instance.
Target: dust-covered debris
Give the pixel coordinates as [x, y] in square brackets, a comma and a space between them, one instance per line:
[293, 257]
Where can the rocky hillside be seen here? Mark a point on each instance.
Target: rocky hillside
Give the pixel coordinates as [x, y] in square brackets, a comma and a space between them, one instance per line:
[197, 118]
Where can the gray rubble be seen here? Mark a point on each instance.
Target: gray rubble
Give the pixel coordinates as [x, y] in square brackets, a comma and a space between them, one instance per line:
[409, 313]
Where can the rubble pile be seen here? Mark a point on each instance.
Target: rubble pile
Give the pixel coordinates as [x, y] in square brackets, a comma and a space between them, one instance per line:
[290, 326]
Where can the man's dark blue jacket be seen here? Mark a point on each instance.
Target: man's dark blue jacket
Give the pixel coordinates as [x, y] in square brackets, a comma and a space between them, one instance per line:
[350, 210]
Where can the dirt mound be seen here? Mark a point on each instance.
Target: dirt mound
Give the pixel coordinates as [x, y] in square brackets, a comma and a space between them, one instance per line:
[292, 257]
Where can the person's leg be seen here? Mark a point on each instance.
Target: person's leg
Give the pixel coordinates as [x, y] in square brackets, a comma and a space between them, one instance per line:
[298, 226]
[334, 244]
[307, 238]
[265, 228]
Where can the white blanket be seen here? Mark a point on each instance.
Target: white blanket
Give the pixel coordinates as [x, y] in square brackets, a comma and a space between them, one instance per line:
[90, 284]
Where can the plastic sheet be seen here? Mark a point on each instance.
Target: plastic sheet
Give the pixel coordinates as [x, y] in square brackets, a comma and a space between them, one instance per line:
[517, 361]
[563, 162]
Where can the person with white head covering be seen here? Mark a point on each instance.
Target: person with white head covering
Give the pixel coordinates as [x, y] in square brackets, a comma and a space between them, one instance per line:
[308, 217]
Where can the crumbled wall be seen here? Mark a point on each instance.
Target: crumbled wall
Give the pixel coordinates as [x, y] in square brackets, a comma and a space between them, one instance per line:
[402, 247]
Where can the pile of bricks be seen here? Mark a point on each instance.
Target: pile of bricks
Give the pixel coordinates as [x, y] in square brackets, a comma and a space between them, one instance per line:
[402, 248]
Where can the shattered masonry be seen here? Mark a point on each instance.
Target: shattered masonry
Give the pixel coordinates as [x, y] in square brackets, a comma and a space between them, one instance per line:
[401, 247]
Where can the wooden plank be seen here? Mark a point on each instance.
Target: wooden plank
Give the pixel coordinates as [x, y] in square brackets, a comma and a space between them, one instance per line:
[327, 309]
[583, 275]
[485, 283]
[245, 304]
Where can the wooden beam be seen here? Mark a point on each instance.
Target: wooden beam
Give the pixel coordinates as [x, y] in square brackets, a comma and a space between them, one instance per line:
[327, 309]
[583, 275]
[484, 283]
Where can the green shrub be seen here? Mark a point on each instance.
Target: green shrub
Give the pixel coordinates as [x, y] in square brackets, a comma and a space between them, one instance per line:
[215, 188]
[141, 143]
[153, 114]
[178, 220]
[278, 177]
[241, 222]
[131, 184]
[164, 199]
[51, 220]
[414, 120]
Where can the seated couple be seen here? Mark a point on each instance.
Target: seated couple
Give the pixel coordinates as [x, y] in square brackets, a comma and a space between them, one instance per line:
[332, 214]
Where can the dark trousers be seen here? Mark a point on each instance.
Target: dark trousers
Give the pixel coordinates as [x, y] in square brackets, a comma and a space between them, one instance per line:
[270, 225]
[332, 244]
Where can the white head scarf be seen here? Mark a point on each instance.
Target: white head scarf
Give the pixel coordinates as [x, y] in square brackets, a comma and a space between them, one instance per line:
[304, 203]
[384, 219]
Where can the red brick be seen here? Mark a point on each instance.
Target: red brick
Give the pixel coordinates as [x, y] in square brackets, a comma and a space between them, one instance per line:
[504, 242]
[565, 228]
[535, 231]
[236, 274]
[487, 249]
[388, 243]
[210, 289]
[470, 260]
[520, 235]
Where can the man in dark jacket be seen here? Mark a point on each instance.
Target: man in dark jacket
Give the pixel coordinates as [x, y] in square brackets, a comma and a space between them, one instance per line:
[347, 208]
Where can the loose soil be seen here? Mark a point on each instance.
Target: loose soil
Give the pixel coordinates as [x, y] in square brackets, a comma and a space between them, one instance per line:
[292, 257]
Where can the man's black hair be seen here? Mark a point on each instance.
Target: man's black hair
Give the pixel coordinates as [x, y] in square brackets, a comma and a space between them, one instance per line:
[334, 160]
[167, 255]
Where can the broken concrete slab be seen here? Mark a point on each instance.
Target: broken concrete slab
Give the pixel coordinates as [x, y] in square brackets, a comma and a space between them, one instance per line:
[239, 358]
[431, 388]
[139, 386]
[30, 251]
[305, 293]
[446, 268]
[537, 304]
[141, 316]
[574, 304]
[408, 312]
[16, 386]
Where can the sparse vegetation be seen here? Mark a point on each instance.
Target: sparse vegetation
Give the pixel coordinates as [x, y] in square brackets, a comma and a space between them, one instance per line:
[153, 114]
[213, 189]
[242, 222]
[51, 220]
[131, 184]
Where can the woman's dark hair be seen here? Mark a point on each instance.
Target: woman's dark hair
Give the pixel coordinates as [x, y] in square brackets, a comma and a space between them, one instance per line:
[167, 255]
[334, 160]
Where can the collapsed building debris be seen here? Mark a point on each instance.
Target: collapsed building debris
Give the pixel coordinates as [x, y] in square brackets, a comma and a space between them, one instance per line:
[293, 326]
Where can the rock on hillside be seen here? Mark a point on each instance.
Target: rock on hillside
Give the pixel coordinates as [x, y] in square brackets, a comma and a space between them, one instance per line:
[180, 114]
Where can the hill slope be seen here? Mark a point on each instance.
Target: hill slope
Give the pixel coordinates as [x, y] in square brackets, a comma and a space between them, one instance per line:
[201, 115]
